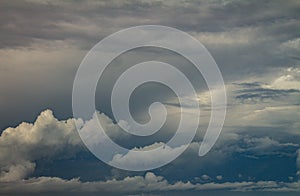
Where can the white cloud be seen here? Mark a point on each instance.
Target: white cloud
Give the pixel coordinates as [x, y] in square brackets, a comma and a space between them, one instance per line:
[90, 129]
[291, 46]
[234, 37]
[48, 137]
[272, 116]
[290, 79]
[17, 172]
[219, 177]
[154, 155]
[150, 182]
[205, 177]
[275, 96]
[268, 100]
[137, 184]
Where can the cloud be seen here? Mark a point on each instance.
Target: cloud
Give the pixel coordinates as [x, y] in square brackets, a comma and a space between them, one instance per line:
[291, 48]
[298, 162]
[52, 139]
[284, 84]
[49, 139]
[263, 94]
[51, 87]
[46, 138]
[205, 177]
[241, 43]
[290, 80]
[219, 22]
[16, 172]
[262, 146]
[147, 183]
[234, 38]
[138, 184]
[260, 101]
[219, 177]
[151, 159]
[266, 100]
[47, 40]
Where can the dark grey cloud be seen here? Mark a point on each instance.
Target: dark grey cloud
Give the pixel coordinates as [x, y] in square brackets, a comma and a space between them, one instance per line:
[263, 94]
[23, 22]
[248, 84]
[245, 38]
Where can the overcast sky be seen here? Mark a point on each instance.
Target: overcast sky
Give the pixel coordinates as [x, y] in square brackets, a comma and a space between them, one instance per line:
[256, 45]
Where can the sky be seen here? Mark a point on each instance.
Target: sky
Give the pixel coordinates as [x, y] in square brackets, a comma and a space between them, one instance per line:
[256, 45]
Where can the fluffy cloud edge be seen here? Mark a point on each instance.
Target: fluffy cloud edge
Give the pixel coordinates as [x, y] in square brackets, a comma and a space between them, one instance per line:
[23, 145]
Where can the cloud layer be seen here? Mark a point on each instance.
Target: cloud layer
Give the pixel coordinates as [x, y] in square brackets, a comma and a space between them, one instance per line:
[137, 184]
[49, 39]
